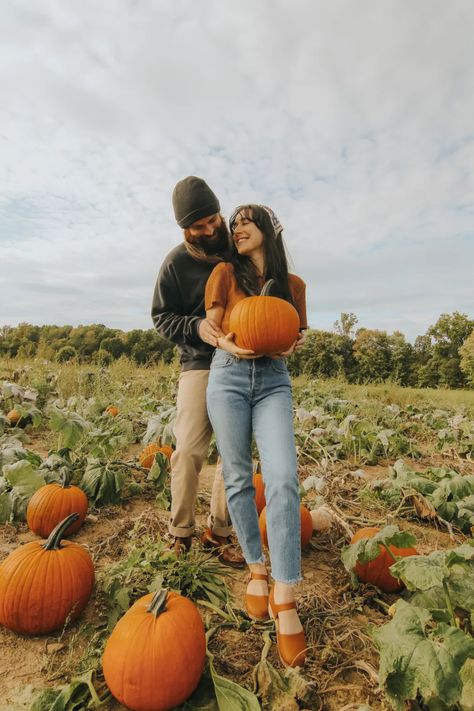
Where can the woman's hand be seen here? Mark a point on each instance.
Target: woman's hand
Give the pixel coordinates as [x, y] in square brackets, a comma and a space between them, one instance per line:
[227, 344]
[299, 343]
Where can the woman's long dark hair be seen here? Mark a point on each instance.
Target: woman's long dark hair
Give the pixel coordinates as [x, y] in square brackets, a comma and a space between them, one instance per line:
[276, 265]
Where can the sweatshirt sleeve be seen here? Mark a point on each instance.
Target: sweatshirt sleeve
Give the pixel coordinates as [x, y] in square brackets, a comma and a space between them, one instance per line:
[217, 287]
[166, 310]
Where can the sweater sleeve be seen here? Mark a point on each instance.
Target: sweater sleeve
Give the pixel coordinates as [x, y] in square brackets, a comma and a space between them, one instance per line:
[217, 287]
[166, 310]
[298, 291]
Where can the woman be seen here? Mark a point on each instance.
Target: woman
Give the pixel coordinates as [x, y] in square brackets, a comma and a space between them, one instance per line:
[252, 395]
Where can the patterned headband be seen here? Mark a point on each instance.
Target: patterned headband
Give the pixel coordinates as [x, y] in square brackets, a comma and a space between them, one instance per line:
[276, 224]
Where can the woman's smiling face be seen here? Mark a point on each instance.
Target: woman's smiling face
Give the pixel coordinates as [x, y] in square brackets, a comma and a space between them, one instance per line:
[246, 235]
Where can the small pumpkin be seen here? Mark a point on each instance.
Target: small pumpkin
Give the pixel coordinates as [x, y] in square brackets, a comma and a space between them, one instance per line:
[51, 503]
[377, 571]
[13, 417]
[44, 583]
[112, 410]
[147, 456]
[259, 487]
[264, 324]
[155, 656]
[306, 526]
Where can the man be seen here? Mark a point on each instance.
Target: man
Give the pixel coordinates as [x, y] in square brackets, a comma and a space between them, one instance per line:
[178, 314]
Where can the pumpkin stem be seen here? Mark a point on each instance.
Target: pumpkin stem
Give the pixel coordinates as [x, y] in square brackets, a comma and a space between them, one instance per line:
[158, 602]
[267, 287]
[65, 479]
[54, 541]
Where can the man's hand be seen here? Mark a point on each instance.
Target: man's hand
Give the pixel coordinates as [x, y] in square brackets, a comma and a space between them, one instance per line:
[209, 332]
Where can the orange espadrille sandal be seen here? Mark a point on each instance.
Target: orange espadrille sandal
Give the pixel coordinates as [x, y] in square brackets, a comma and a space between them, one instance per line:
[291, 647]
[257, 605]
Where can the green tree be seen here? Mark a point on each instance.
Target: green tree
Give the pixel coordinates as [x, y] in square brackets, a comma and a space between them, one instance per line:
[66, 354]
[448, 335]
[467, 358]
[345, 326]
[372, 355]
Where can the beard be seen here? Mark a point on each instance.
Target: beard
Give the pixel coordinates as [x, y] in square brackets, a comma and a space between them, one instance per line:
[219, 243]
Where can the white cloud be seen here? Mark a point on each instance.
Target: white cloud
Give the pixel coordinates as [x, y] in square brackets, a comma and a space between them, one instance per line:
[353, 120]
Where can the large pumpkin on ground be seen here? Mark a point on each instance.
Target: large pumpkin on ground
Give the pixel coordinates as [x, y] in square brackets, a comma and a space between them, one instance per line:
[264, 324]
[50, 505]
[43, 583]
[147, 456]
[306, 526]
[155, 656]
[259, 487]
[377, 571]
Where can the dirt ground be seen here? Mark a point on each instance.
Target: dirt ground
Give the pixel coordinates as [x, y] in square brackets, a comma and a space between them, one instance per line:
[342, 665]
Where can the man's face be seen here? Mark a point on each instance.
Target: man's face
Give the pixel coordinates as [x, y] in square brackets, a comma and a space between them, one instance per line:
[206, 228]
[210, 234]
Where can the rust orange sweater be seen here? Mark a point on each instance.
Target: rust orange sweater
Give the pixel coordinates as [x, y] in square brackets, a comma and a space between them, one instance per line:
[222, 290]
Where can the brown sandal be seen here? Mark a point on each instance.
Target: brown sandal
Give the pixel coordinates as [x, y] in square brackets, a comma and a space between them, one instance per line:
[291, 647]
[257, 605]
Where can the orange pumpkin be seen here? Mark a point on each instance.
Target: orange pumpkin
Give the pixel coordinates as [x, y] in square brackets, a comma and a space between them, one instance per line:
[155, 656]
[377, 571]
[306, 526]
[51, 503]
[147, 457]
[112, 410]
[13, 417]
[259, 487]
[264, 324]
[44, 583]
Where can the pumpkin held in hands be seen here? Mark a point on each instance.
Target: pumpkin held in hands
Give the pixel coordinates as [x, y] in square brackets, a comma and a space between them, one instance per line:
[147, 456]
[264, 324]
[377, 571]
[50, 505]
[155, 656]
[306, 526]
[44, 583]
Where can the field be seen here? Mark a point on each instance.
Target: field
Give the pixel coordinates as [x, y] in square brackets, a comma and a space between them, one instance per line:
[375, 455]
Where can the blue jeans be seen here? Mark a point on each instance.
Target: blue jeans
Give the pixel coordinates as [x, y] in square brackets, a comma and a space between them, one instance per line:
[254, 396]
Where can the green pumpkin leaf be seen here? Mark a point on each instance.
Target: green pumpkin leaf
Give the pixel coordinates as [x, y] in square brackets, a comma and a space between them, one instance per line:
[103, 483]
[417, 656]
[230, 696]
[70, 426]
[467, 677]
[421, 572]
[21, 481]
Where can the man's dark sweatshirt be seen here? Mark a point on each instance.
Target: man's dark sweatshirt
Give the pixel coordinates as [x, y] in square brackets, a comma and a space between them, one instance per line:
[178, 306]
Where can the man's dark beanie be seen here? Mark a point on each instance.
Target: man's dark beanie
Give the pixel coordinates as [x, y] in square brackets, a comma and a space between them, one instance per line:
[193, 199]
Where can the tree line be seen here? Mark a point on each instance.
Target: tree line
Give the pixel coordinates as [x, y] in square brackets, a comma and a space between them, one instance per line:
[443, 356]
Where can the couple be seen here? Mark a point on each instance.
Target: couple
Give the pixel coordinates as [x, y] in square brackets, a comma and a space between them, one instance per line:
[229, 390]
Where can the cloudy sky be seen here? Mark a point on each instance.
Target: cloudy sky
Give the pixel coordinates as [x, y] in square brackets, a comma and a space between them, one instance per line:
[353, 120]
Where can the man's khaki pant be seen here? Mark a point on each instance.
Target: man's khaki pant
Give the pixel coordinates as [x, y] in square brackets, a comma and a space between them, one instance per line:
[193, 432]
